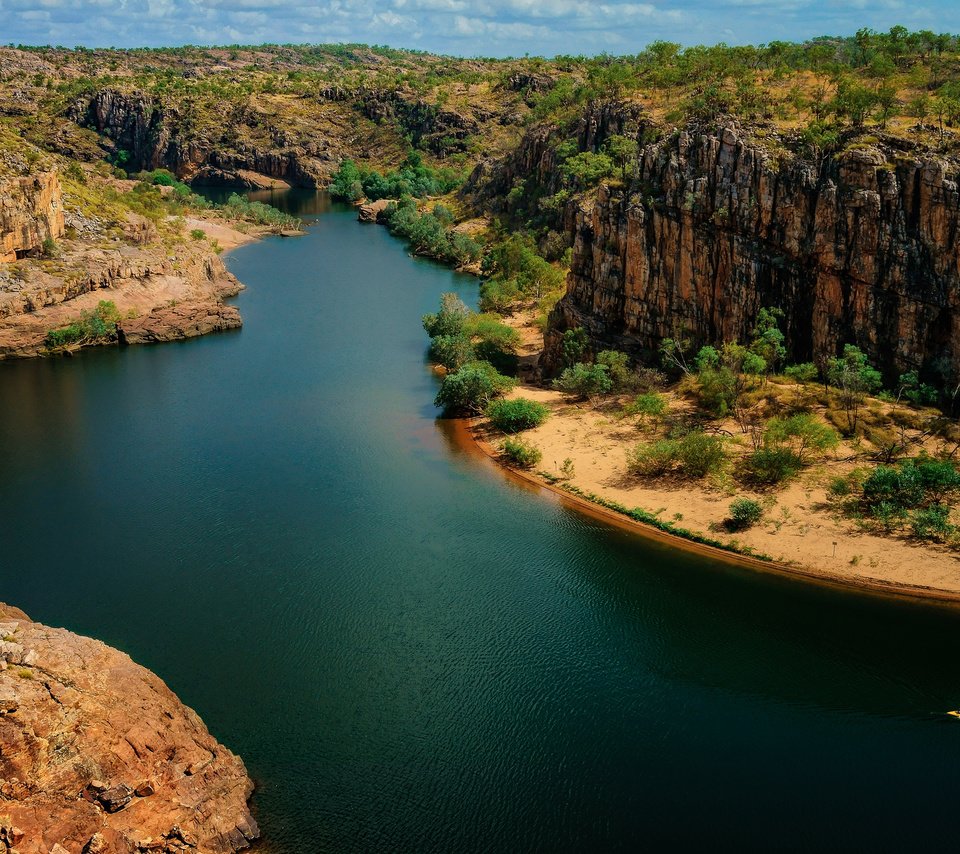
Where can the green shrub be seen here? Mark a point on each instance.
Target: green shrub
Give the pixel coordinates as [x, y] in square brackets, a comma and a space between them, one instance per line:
[650, 404]
[933, 523]
[521, 453]
[694, 455]
[803, 373]
[912, 484]
[770, 465]
[839, 487]
[744, 513]
[451, 351]
[512, 416]
[618, 369]
[803, 433]
[583, 380]
[472, 388]
[99, 324]
[652, 458]
[700, 454]
[198, 234]
[49, 248]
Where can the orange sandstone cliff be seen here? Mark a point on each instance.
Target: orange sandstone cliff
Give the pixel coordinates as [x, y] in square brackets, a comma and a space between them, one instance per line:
[97, 755]
[858, 248]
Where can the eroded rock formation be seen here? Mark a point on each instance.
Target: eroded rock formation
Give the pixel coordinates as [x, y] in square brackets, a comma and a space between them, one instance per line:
[861, 249]
[154, 136]
[162, 294]
[97, 755]
[31, 211]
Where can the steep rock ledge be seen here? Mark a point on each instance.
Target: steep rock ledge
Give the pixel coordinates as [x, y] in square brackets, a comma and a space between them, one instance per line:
[31, 211]
[157, 137]
[861, 250]
[162, 294]
[98, 755]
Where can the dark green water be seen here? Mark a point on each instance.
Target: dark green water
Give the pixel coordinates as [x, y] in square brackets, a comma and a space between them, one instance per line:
[410, 652]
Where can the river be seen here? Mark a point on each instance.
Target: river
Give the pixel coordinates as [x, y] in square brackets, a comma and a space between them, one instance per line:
[410, 651]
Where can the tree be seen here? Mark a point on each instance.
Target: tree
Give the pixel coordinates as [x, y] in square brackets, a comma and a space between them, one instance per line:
[854, 102]
[450, 320]
[573, 345]
[347, 184]
[886, 102]
[854, 377]
[920, 109]
[725, 375]
[768, 340]
[623, 151]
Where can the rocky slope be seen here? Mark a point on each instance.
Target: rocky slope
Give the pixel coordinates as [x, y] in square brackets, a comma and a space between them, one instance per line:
[31, 211]
[858, 249]
[97, 755]
[164, 290]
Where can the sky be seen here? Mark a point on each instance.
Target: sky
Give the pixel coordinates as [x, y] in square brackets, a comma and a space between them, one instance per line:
[459, 27]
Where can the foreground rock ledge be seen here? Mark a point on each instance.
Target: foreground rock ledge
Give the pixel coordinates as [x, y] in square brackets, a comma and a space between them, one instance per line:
[97, 755]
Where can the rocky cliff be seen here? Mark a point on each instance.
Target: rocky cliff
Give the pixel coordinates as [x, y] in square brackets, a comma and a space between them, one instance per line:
[31, 211]
[861, 248]
[97, 755]
[152, 135]
[162, 292]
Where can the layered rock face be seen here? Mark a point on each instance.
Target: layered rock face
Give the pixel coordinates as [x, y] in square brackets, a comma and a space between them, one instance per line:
[153, 138]
[162, 294]
[860, 250]
[97, 755]
[31, 211]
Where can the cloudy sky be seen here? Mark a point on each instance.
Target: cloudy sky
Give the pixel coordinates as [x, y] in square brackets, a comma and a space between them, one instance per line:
[463, 27]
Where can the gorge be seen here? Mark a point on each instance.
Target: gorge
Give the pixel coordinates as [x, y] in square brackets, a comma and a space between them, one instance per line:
[407, 652]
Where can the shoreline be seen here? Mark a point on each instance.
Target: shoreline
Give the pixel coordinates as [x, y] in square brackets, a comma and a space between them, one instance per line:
[465, 433]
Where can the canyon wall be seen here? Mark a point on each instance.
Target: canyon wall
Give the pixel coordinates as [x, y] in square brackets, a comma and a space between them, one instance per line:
[860, 249]
[154, 136]
[99, 756]
[31, 211]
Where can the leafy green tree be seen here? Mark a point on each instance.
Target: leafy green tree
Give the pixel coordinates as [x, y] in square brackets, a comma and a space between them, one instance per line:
[574, 345]
[918, 393]
[450, 320]
[768, 341]
[854, 377]
[886, 103]
[724, 377]
[587, 169]
[451, 351]
[623, 151]
[347, 184]
[854, 101]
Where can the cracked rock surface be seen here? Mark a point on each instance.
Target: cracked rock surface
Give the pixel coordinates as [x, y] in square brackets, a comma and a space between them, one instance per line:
[98, 755]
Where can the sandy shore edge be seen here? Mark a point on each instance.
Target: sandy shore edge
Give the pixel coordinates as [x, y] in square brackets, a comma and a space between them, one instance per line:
[464, 431]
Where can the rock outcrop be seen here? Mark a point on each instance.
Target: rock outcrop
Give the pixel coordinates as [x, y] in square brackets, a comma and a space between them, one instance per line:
[859, 249]
[98, 755]
[184, 320]
[162, 294]
[154, 136]
[31, 211]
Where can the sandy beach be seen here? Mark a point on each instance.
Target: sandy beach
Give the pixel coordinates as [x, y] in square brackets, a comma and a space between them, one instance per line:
[800, 532]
